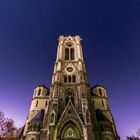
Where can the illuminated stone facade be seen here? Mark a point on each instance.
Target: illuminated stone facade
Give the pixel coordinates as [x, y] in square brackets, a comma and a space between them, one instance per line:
[70, 109]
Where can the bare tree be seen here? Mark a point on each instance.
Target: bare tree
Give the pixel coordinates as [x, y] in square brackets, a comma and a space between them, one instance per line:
[132, 138]
[7, 128]
[18, 132]
[2, 124]
[138, 132]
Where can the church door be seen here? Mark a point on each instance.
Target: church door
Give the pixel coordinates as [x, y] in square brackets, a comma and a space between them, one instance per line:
[70, 132]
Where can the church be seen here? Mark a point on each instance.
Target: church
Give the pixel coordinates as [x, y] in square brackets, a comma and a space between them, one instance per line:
[70, 109]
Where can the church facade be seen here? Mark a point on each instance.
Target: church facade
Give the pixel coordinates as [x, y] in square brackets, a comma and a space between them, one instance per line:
[70, 109]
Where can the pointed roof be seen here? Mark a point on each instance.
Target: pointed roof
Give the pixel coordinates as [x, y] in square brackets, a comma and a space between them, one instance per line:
[70, 112]
[39, 116]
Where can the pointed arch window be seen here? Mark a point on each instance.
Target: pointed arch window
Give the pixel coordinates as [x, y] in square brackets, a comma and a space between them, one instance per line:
[72, 53]
[67, 54]
[74, 78]
[46, 103]
[69, 96]
[69, 78]
[36, 103]
[100, 92]
[52, 117]
[65, 79]
[39, 92]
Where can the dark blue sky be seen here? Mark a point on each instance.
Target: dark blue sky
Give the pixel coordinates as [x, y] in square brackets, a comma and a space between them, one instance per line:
[110, 30]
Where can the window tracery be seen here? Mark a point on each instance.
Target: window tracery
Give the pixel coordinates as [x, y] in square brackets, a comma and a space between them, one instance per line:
[69, 97]
[70, 132]
[69, 78]
[69, 54]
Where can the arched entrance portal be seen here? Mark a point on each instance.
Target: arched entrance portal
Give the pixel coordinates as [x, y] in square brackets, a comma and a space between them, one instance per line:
[70, 132]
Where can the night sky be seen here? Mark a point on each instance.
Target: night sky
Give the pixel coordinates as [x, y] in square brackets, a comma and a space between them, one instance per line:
[110, 30]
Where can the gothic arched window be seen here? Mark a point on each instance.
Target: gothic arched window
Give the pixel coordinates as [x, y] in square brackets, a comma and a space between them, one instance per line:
[66, 54]
[52, 117]
[69, 78]
[69, 54]
[36, 103]
[74, 78]
[46, 103]
[72, 53]
[39, 92]
[65, 78]
[69, 96]
[100, 92]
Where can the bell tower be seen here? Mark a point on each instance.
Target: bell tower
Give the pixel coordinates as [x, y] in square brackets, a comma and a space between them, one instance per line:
[70, 86]
[69, 66]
